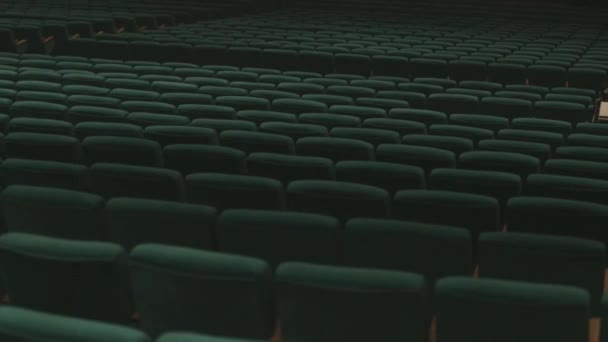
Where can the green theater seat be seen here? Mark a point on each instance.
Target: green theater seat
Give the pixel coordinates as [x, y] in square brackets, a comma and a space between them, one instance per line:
[534, 311]
[131, 221]
[225, 191]
[201, 291]
[555, 216]
[122, 150]
[315, 303]
[434, 251]
[94, 274]
[515, 163]
[188, 158]
[544, 259]
[43, 173]
[277, 237]
[577, 168]
[18, 324]
[120, 180]
[336, 149]
[390, 176]
[340, 199]
[287, 168]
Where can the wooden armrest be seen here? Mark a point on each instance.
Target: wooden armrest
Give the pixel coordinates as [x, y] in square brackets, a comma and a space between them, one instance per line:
[48, 39]
[121, 30]
[21, 42]
[75, 36]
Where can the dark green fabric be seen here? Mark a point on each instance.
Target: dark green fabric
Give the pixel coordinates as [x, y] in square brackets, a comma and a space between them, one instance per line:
[38, 109]
[567, 187]
[336, 149]
[330, 120]
[221, 125]
[588, 140]
[122, 150]
[131, 221]
[516, 163]
[499, 185]
[225, 191]
[533, 124]
[340, 199]
[81, 278]
[249, 142]
[206, 111]
[414, 99]
[591, 128]
[556, 216]
[371, 135]
[34, 125]
[351, 91]
[261, 116]
[190, 337]
[78, 114]
[277, 237]
[536, 150]
[386, 104]
[491, 123]
[201, 291]
[577, 168]
[51, 211]
[42, 146]
[389, 176]
[294, 130]
[120, 180]
[432, 250]
[243, 102]
[456, 145]
[93, 101]
[42, 173]
[552, 139]
[597, 154]
[45, 96]
[502, 311]
[402, 127]
[473, 133]
[325, 303]
[330, 100]
[144, 119]
[289, 168]
[427, 117]
[453, 103]
[87, 129]
[298, 106]
[148, 107]
[187, 159]
[481, 85]
[181, 98]
[361, 112]
[477, 213]
[426, 89]
[168, 135]
[564, 111]
[427, 158]
[544, 259]
[509, 108]
[22, 325]
[134, 95]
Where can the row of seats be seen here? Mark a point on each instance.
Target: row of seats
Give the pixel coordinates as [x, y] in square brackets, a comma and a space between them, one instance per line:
[49, 211]
[183, 289]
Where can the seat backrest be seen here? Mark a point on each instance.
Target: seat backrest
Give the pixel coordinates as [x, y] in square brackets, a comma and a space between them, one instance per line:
[201, 291]
[328, 303]
[533, 311]
[544, 259]
[52, 212]
[86, 279]
[277, 237]
[23, 325]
